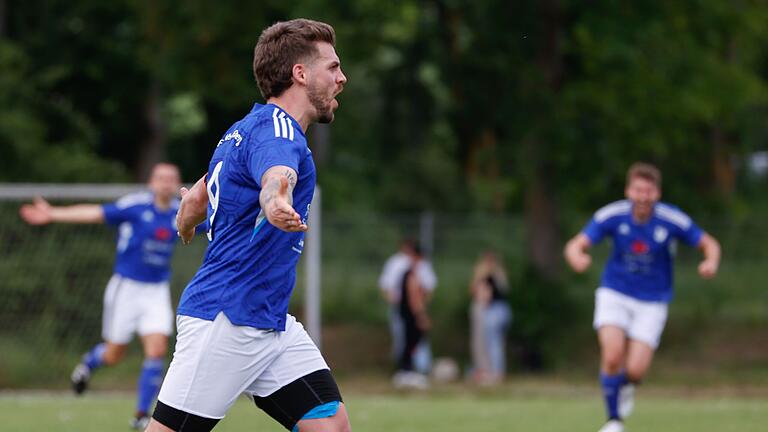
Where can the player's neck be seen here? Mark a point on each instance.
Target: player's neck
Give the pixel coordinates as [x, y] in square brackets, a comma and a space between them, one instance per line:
[162, 203]
[641, 217]
[297, 105]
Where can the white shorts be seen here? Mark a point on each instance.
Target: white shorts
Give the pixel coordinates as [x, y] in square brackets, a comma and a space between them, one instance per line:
[216, 361]
[641, 320]
[135, 307]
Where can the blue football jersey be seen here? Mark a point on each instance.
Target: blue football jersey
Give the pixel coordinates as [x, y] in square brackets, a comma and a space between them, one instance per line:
[640, 264]
[249, 269]
[146, 236]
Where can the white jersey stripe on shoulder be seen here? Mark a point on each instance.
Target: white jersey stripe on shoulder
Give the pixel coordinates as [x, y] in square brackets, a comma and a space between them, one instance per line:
[277, 123]
[133, 199]
[673, 216]
[614, 209]
[283, 125]
[290, 130]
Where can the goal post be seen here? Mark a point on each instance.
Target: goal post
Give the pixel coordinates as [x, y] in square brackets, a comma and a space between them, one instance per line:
[53, 279]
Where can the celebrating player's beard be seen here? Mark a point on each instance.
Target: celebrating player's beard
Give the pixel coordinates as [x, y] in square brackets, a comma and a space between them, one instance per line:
[323, 104]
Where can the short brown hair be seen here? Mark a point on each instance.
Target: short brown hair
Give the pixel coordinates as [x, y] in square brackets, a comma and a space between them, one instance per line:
[281, 46]
[644, 171]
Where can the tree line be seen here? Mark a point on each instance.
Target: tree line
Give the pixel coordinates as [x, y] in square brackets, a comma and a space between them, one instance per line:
[529, 106]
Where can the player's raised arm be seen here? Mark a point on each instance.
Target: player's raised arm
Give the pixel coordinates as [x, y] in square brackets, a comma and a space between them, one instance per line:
[192, 209]
[40, 212]
[710, 247]
[576, 253]
[276, 199]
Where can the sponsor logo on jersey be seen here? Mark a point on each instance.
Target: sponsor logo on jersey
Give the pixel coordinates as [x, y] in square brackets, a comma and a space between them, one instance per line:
[640, 247]
[231, 136]
[162, 233]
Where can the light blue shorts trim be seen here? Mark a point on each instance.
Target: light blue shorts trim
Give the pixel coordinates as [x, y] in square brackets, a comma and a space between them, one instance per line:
[321, 411]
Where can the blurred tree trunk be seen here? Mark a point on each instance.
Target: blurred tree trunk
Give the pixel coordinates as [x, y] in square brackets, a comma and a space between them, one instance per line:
[540, 209]
[482, 163]
[478, 142]
[152, 148]
[2, 18]
[723, 173]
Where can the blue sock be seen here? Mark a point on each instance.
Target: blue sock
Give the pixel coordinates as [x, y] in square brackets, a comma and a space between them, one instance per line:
[149, 384]
[611, 385]
[93, 358]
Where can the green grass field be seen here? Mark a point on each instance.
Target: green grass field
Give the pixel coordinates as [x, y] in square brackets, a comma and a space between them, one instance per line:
[525, 407]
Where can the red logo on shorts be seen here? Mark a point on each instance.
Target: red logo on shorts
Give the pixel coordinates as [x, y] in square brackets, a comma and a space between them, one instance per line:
[162, 234]
[640, 247]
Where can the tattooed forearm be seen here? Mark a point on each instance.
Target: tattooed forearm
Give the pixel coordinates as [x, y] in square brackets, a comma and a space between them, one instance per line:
[271, 188]
[291, 176]
[269, 192]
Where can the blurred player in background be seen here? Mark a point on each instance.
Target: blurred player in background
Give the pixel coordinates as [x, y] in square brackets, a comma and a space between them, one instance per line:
[390, 283]
[636, 286]
[138, 297]
[234, 332]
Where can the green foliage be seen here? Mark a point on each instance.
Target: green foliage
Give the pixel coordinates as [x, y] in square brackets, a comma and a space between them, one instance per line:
[451, 106]
[441, 94]
[42, 137]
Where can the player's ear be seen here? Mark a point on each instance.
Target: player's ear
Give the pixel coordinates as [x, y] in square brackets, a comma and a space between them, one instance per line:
[299, 73]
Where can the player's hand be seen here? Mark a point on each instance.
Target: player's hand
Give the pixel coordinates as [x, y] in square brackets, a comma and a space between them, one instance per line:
[185, 233]
[193, 209]
[281, 214]
[580, 262]
[37, 213]
[708, 269]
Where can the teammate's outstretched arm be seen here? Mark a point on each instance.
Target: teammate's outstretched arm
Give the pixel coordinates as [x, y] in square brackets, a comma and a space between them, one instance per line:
[710, 247]
[192, 209]
[576, 253]
[40, 212]
[276, 199]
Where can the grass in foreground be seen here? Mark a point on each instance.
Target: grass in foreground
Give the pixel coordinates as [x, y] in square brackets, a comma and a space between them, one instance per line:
[570, 410]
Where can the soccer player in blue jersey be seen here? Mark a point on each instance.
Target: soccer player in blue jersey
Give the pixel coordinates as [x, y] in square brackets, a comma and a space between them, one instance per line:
[234, 332]
[636, 286]
[137, 298]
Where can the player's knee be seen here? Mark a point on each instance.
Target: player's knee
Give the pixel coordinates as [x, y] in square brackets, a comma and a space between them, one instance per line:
[155, 345]
[156, 352]
[635, 373]
[612, 362]
[113, 355]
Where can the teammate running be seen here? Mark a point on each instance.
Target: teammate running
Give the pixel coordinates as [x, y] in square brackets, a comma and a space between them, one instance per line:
[138, 297]
[636, 286]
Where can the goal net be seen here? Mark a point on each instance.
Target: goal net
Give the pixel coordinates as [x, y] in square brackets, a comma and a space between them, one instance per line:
[52, 280]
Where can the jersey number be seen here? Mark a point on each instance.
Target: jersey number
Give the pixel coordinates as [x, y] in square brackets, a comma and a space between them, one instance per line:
[214, 191]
